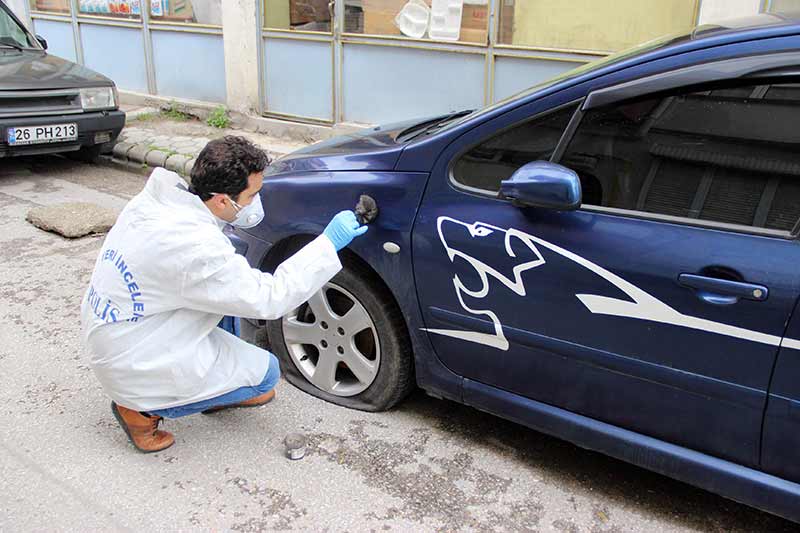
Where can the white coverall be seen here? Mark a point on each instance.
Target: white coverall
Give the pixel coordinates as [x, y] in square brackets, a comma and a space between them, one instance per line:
[165, 277]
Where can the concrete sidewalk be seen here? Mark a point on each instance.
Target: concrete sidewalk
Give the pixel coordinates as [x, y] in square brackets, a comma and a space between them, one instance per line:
[153, 138]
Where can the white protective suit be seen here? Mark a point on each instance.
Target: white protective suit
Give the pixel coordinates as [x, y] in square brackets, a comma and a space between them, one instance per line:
[165, 277]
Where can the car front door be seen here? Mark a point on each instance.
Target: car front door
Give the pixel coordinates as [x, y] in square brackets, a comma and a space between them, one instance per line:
[658, 306]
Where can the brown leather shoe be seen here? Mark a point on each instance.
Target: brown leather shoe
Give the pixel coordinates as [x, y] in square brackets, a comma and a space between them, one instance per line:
[252, 402]
[142, 430]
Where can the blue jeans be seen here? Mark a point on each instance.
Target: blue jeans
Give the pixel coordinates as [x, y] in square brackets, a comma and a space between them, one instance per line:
[239, 395]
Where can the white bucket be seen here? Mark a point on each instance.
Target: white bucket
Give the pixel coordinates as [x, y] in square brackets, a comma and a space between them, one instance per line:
[413, 19]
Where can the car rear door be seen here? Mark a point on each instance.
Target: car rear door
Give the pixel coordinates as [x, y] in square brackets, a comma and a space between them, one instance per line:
[660, 304]
[780, 448]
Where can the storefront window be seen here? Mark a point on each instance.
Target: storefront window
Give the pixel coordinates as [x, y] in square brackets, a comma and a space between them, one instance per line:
[299, 15]
[130, 9]
[51, 6]
[440, 20]
[582, 25]
[784, 6]
[207, 12]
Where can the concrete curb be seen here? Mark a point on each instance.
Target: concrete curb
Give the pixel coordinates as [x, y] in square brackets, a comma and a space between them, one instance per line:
[145, 157]
[143, 149]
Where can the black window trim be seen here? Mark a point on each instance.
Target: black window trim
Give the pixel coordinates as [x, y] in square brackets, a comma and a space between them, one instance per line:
[694, 222]
[584, 105]
[743, 68]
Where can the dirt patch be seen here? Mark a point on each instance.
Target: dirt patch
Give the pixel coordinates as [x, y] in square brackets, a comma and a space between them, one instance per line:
[189, 127]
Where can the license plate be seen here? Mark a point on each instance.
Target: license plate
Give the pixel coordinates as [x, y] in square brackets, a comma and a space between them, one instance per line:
[42, 134]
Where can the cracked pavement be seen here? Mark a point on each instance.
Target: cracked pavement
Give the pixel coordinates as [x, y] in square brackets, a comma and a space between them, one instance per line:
[428, 465]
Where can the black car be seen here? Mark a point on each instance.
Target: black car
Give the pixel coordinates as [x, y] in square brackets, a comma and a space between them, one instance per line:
[50, 105]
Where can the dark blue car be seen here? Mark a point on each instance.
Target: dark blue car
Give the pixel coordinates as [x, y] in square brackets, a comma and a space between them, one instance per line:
[610, 257]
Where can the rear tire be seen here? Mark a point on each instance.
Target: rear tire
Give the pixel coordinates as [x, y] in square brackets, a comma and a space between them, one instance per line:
[394, 379]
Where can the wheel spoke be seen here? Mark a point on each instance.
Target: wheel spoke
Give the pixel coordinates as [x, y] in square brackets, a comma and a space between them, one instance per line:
[320, 306]
[361, 367]
[324, 375]
[355, 320]
[295, 332]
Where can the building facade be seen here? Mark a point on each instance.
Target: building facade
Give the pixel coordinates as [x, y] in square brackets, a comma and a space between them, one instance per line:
[356, 61]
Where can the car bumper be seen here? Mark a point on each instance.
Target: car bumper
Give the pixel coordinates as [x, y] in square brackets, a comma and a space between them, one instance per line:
[89, 126]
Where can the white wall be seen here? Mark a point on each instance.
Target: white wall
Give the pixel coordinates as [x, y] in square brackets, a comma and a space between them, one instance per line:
[712, 11]
[242, 39]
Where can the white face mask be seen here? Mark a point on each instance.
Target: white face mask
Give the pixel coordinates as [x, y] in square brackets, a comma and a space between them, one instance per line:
[250, 215]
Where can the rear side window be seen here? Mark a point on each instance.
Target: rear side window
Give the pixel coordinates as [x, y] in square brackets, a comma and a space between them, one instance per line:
[727, 155]
[496, 159]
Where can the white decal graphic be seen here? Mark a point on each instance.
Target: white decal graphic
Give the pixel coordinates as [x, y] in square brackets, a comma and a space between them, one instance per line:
[642, 305]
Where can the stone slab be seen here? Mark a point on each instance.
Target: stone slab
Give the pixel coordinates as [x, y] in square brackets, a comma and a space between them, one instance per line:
[177, 163]
[121, 150]
[188, 169]
[156, 158]
[138, 153]
[72, 219]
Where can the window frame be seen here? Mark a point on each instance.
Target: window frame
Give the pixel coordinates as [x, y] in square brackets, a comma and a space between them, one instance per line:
[486, 193]
[28, 33]
[629, 91]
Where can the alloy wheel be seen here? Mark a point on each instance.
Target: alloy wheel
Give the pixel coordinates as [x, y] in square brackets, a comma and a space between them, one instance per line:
[333, 341]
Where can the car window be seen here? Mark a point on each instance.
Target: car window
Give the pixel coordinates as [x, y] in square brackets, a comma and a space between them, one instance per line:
[496, 159]
[11, 33]
[726, 155]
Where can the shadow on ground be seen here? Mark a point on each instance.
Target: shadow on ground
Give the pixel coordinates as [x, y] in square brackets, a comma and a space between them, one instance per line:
[578, 470]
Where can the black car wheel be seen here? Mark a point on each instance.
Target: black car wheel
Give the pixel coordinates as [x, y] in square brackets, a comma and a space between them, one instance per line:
[348, 344]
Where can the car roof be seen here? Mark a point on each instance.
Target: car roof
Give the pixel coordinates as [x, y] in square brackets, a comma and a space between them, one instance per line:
[738, 29]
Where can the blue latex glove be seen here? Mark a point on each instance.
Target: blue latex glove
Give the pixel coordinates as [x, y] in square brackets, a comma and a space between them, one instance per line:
[343, 228]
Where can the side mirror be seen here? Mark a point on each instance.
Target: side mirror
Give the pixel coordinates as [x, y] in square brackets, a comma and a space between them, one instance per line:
[42, 41]
[543, 184]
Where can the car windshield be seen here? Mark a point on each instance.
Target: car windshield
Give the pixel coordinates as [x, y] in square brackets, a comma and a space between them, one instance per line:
[12, 35]
[588, 67]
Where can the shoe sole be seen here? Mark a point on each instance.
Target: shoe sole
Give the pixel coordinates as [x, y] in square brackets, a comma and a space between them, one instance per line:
[124, 427]
[234, 406]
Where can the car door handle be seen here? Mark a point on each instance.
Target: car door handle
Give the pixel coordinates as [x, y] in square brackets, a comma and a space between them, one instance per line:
[722, 291]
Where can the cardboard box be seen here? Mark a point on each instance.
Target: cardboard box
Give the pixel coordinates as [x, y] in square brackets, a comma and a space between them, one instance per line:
[305, 11]
[505, 29]
[379, 16]
[475, 17]
[178, 11]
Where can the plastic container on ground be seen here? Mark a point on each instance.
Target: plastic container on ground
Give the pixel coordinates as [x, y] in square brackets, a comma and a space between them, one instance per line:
[446, 19]
[413, 19]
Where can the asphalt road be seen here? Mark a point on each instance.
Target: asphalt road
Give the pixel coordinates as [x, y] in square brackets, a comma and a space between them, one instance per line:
[428, 465]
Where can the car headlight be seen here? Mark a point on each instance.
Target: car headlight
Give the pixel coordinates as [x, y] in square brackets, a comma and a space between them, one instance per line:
[97, 98]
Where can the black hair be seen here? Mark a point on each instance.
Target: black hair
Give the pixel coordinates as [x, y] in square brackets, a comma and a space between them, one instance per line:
[224, 165]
